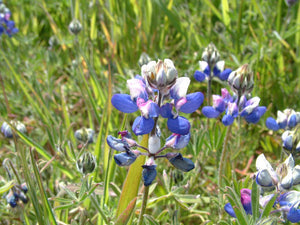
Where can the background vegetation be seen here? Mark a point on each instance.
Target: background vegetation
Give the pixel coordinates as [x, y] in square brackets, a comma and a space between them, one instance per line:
[56, 83]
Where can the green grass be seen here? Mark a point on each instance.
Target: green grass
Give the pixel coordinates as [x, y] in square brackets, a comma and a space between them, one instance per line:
[56, 83]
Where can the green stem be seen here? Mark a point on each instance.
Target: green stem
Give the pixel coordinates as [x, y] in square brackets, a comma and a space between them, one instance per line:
[222, 161]
[209, 81]
[144, 205]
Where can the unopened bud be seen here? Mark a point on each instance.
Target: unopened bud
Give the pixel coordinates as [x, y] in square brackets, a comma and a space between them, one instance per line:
[144, 59]
[75, 27]
[85, 135]
[211, 55]
[241, 80]
[161, 75]
[86, 163]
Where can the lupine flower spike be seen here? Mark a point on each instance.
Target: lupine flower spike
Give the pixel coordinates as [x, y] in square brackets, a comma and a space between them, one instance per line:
[7, 26]
[241, 83]
[211, 65]
[158, 92]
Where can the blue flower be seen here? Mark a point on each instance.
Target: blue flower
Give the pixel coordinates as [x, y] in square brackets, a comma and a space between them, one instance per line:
[287, 119]
[149, 174]
[250, 109]
[7, 26]
[289, 203]
[180, 162]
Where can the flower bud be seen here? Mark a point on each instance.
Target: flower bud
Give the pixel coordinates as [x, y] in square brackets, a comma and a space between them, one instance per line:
[125, 158]
[85, 135]
[211, 55]
[241, 80]
[86, 163]
[7, 130]
[144, 59]
[75, 27]
[161, 75]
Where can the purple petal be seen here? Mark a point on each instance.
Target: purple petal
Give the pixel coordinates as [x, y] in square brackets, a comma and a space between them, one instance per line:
[179, 125]
[272, 124]
[225, 74]
[210, 112]
[117, 144]
[194, 100]
[125, 158]
[137, 89]
[166, 110]
[227, 120]
[181, 163]
[149, 108]
[246, 200]
[199, 76]
[123, 103]
[149, 174]
[178, 141]
[294, 215]
[292, 121]
[228, 208]
[219, 103]
[256, 114]
[141, 125]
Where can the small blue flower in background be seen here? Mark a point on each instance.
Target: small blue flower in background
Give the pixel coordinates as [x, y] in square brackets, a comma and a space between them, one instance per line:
[7, 26]
[158, 92]
[211, 65]
[126, 145]
[285, 120]
[8, 131]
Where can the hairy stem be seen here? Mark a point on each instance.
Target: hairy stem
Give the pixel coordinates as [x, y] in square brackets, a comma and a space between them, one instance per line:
[144, 205]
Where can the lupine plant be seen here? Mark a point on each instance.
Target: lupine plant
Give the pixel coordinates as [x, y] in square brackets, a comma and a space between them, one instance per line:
[158, 92]
[7, 26]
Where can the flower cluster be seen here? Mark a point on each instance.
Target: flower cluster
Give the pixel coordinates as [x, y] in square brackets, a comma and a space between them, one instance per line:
[7, 130]
[283, 178]
[158, 92]
[150, 94]
[241, 83]
[234, 107]
[286, 120]
[286, 203]
[211, 65]
[126, 145]
[7, 26]
[16, 193]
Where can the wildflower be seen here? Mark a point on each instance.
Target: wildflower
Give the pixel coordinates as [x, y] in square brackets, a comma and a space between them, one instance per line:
[241, 80]
[285, 176]
[86, 163]
[75, 27]
[128, 154]
[85, 135]
[7, 130]
[245, 200]
[7, 26]
[149, 94]
[15, 194]
[233, 107]
[211, 61]
[285, 120]
[289, 203]
[291, 140]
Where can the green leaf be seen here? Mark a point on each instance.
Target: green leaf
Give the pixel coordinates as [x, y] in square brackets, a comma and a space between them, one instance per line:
[132, 181]
[255, 201]
[269, 207]
[125, 215]
[7, 186]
